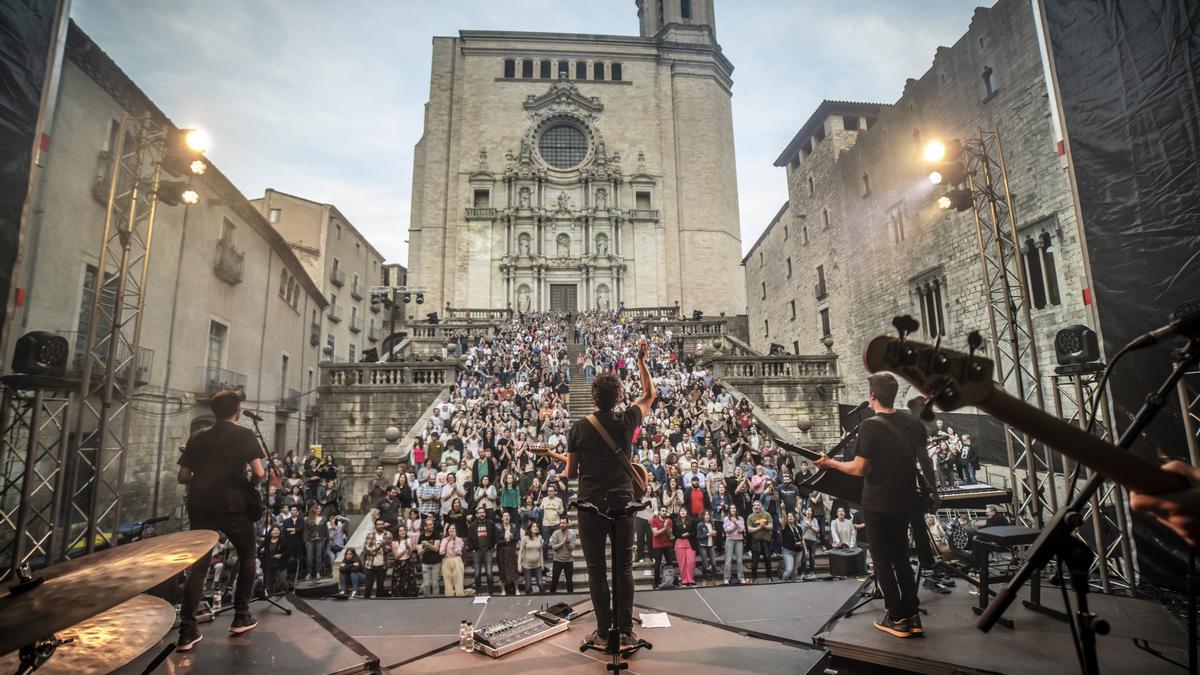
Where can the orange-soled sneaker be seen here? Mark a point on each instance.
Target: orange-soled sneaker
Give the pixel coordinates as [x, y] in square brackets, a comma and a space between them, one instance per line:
[896, 627]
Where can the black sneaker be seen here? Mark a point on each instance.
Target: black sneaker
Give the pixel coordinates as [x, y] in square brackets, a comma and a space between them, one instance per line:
[243, 623]
[914, 624]
[628, 639]
[897, 627]
[189, 635]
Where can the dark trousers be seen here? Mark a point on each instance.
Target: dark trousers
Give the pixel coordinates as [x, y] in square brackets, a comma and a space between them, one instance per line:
[889, 551]
[760, 549]
[593, 535]
[240, 531]
[375, 581]
[661, 556]
[568, 568]
[643, 537]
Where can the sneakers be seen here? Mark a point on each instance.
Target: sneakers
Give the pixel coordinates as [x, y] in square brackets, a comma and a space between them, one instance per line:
[914, 624]
[628, 639]
[189, 635]
[935, 586]
[243, 623]
[897, 627]
[598, 639]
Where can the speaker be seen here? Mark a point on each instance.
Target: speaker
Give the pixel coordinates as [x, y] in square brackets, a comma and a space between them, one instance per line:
[847, 562]
[41, 352]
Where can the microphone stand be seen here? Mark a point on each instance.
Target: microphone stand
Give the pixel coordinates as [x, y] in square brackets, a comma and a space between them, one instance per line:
[1056, 540]
[266, 522]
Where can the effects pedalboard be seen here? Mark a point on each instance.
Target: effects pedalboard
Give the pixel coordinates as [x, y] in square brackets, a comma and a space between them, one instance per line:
[506, 636]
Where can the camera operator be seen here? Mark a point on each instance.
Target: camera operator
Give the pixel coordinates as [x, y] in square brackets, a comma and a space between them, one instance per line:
[213, 467]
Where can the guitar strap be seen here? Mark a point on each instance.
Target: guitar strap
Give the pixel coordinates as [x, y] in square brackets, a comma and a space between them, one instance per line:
[921, 484]
[612, 445]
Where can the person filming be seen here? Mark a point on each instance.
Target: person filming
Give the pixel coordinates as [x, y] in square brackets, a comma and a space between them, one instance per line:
[213, 467]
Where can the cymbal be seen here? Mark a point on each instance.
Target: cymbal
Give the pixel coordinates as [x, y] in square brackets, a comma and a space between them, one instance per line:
[108, 640]
[86, 586]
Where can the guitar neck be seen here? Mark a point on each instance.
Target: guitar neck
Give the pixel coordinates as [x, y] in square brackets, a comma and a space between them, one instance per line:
[1113, 462]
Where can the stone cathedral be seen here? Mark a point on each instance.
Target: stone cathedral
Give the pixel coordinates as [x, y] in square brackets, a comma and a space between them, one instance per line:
[567, 171]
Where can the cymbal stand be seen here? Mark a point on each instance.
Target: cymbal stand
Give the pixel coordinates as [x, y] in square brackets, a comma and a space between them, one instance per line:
[1057, 540]
[272, 598]
[614, 516]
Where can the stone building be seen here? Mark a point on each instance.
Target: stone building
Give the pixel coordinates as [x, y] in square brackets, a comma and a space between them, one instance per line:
[227, 302]
[580, 171]
[341, 261]
[860, 238]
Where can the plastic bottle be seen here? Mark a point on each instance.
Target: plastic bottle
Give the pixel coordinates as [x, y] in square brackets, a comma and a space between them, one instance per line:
[470, 639]
[462, 635]
[216, 603]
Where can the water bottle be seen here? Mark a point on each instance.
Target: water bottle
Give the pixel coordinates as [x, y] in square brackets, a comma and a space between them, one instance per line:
[462, 635]
[216, 603]
[470, 641]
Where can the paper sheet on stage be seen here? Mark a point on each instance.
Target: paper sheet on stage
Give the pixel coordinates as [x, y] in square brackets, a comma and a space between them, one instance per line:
[481, 600]
[655, 620]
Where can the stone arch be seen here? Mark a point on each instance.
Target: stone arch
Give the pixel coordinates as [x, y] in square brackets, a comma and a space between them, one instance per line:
[563, 245]
[523, 244]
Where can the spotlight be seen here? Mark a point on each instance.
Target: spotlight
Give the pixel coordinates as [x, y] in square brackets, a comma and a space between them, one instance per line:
[420, 298]
[198, 167]
[960, 200]
[935, 151]
[935, 177]
[1076, 344]
[196, 140]
[190, 197]
[407, 297]
[183, 149]
[41, 352]
[174, 193]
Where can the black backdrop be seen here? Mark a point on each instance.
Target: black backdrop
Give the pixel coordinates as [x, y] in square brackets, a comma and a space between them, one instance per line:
[1128, 75]
[26, 28]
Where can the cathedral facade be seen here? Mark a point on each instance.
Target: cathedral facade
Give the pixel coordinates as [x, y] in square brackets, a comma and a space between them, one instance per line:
[566, 171]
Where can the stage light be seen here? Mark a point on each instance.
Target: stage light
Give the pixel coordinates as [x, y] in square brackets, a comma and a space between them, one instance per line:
[190, 197]
[935, 177]
[959, 200]
[196, 140]
[41, 352]
[935, 151]
[420, 298]
[174, 193]
[198, 167]
[944, 202]
[1075, 345]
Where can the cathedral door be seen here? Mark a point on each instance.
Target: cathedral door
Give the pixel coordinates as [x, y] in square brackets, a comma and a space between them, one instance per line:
[562, 298]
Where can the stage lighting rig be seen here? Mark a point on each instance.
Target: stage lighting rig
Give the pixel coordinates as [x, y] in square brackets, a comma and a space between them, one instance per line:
[184, 152]
[174, 193]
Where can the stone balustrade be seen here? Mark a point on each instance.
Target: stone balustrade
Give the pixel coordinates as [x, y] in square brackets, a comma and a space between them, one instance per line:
[785, 367]
[671, 312]
[680, 327]
[450, 329]
[478, 314]
[368, 375]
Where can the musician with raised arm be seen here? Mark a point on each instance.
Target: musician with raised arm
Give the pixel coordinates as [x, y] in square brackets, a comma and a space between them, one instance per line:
[606, 481]
[890, 446]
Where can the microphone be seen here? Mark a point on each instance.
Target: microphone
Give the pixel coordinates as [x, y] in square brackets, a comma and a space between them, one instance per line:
[252, 415]
[861, 407]
[1185, 322]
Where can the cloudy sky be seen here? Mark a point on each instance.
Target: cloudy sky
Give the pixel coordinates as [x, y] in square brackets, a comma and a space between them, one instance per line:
[325, 99]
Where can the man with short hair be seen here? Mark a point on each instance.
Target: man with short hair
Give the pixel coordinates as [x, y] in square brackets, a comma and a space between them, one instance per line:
[429, 498]
[968, 459]
[213, 467]
[562, 544]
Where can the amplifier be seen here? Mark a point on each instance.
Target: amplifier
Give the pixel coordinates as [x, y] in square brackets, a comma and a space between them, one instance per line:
[848, 562]
[506, 636]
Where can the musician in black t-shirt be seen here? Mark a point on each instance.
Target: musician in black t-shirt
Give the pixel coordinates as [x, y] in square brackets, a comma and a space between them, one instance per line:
[213, 466]
[605, 482]
[890, 445]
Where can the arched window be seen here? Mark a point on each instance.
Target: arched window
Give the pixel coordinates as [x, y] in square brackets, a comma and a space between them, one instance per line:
[989, 80]
[1041, 270]
[598, 71]
[685, 9]
[615, 71]
[510, 68]
[545, 69]
[527, 68]
[581, 70]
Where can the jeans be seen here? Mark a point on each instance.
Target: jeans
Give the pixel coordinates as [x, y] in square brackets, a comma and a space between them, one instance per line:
[431, 577]
[708, 561]
[482, 561]
[375, 578]
[736, 549]
[969, 473]
[316, 556]
[275, 580]
[593, 535]
[760, 549]
[530, 575]
[568, 569]
[452, 573]
[661, 556]
[351, 579]
[240, 531]
[809, 564]
[789, 564]
[889, 551]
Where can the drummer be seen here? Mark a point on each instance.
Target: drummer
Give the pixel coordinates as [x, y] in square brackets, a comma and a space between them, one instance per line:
[212, 466]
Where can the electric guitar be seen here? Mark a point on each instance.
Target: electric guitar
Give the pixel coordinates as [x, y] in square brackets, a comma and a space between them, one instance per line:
[953, 379]
[637, 471]
[545, 451]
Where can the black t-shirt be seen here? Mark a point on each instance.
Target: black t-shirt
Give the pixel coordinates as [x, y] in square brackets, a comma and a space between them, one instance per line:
[890, 482]
[217, 457]
[600, 470]
[389, 510]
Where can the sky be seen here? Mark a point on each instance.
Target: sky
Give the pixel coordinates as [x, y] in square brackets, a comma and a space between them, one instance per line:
[326, 99]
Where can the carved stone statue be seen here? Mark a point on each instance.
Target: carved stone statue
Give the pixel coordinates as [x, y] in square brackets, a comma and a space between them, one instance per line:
[602, 244]
[523, 244]
[564, 202]
[523, 198]
[526, 149]
[564, 245]
[602, 199]
[602, 302]
[523, 299]
[483, 159]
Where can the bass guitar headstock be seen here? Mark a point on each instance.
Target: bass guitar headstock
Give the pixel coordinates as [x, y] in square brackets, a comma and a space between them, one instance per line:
[951, 379]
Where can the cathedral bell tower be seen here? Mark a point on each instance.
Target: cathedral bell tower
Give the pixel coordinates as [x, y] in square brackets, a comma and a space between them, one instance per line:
[678, 20]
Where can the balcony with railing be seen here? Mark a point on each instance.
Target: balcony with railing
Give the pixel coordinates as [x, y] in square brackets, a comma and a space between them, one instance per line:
[337, 276]
[356, 324]
[219, 379]
[480, 214]
[356, 289]
[643, 214]
[356, 376]
[373, 333]
[230, 263]
[335, 313]
[289, 401]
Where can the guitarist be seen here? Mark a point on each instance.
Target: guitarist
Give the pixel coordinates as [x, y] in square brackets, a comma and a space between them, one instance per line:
[887, 445]
[598, 454]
